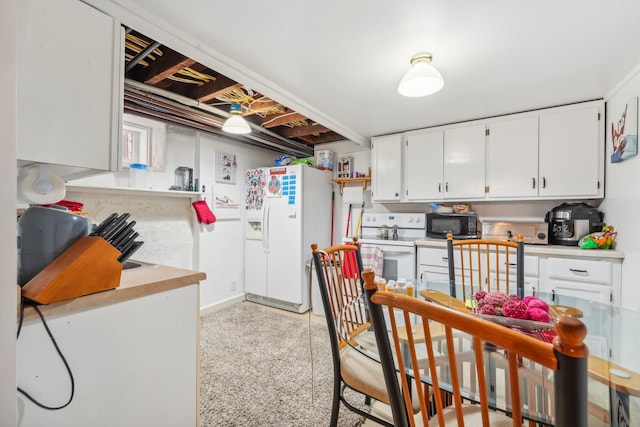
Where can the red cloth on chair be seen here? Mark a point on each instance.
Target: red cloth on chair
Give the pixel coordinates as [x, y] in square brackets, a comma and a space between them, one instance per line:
[203, 212]
[350, 266]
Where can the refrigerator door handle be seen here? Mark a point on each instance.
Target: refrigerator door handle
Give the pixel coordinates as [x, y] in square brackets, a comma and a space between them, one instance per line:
[265, 225]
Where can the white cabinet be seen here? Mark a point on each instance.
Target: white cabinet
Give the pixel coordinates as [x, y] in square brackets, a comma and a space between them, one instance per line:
[424, 155]
[571, 153]
[386, 164]
[135, 362]
[552, 153]
[592, 279]
[448, 163]
[69, 85]
[592, 275]
[464, 162]
[433, 265]
[512, 166]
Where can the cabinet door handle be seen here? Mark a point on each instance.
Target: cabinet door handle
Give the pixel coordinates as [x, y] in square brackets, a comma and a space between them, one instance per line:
[446, 187]
[544, 182]
[553, 295]
[533, 183]
[445, 259]
[576, 270]
[439, 187]
[512, 264]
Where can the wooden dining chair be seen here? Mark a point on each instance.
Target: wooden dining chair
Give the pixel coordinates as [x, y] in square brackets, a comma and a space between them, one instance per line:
[338, 269]
[485, 265]
[566, 359]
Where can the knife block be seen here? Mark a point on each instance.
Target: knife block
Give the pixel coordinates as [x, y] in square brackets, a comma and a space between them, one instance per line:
[88, 266]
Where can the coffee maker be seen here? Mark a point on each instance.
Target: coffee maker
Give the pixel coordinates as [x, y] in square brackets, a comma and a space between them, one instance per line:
[571, 221]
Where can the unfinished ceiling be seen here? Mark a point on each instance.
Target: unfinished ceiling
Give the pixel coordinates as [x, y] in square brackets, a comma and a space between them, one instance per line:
[166, 85]
[340, 62]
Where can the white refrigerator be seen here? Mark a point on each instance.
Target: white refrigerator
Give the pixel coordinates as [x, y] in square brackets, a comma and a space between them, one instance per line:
[287, 208]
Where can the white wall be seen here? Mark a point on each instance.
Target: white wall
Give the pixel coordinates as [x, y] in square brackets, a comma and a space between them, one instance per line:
[528, 210]
[221, 244]
[622, 197]
[8, 260]
[168, 225]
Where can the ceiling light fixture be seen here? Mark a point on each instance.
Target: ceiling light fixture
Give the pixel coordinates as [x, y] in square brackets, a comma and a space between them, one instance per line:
[421, 79]
[235, 123]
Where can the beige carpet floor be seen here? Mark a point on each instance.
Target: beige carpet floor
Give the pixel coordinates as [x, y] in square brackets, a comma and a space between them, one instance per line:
[263, 367]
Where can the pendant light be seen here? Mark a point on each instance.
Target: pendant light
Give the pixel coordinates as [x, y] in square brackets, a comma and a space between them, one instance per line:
[421, 79]
[236, 123]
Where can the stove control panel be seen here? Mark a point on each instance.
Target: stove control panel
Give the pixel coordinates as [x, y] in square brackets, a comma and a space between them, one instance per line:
[402, 220]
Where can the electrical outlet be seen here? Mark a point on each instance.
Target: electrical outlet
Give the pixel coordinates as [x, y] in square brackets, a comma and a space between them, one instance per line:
[233, 285]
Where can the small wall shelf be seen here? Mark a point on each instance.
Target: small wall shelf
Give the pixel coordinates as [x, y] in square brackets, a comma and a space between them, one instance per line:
[143, 192]
[344, 181]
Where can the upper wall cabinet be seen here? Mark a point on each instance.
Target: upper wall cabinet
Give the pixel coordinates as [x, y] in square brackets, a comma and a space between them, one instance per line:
[69, 85]
[552, 153]
[445, 164]
[386, 164]
[512, 158]
[464, 162]
[571, 152]
[555, 153]
[424, 172]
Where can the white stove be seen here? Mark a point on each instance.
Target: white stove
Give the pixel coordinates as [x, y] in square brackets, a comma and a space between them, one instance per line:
[400, 253]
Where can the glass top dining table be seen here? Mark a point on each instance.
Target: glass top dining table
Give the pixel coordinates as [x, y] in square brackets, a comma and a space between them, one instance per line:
[614, 353]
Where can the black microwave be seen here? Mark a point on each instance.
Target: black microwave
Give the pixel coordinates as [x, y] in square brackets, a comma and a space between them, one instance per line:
[461, 225]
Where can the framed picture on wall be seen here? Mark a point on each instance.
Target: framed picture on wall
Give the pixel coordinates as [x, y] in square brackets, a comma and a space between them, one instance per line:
[226, 167]
[624, 130]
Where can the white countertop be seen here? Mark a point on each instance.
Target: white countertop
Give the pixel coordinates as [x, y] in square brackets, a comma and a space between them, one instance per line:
[557, 250]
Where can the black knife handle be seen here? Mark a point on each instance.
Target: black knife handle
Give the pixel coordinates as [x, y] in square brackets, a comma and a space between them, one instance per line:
[120, 235]
[127, 243]
[125, 247]
[108, 220]
[115, 227]
[125, 256]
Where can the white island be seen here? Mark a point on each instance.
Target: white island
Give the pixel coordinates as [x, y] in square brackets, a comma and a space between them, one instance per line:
[133, 352]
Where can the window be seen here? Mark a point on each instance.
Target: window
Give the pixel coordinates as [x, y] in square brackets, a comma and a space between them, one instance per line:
[143, 141]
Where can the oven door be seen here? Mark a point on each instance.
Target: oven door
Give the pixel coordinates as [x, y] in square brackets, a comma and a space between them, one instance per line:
[399, 261]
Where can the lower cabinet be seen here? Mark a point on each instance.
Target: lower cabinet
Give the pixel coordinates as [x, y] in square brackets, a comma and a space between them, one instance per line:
[135, 363]
[433, 265]
[593, 278]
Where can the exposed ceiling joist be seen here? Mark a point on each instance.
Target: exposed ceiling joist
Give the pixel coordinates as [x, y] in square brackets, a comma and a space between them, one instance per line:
[167, 67]
[283, 129]
[282, 119]
[261, 105]
[216, 88]
[300, 131]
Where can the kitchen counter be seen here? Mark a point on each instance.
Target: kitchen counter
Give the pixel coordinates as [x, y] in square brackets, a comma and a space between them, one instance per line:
[134, 283]
[555, 250]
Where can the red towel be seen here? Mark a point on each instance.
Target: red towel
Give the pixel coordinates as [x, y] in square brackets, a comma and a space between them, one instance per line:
[203, 212]
[350, 266]
[72, 206]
